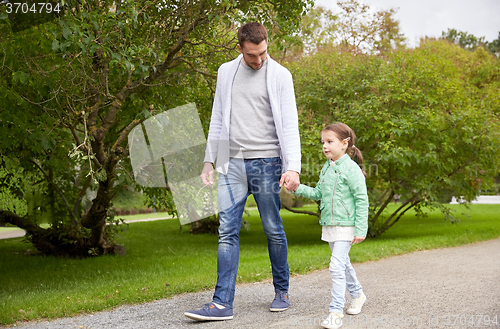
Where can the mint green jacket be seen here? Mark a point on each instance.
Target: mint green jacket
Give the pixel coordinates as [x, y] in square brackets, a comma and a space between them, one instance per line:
[342, 191]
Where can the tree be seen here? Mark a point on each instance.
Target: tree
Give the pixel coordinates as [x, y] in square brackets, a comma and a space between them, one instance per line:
[463, 39]
[426, 119]
[353, 27]
[71, 95]
[470, 42]
[494, 46]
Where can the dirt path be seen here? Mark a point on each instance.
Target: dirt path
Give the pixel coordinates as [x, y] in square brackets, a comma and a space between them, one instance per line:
[442, 288]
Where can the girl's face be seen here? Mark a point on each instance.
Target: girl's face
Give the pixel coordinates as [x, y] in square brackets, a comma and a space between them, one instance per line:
[333, 147]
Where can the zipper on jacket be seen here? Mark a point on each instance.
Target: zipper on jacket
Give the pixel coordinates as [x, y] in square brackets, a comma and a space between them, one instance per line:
[347, 211]
[333, 194]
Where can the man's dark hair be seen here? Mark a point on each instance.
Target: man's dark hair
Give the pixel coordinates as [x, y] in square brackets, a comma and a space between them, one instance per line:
[253, 32]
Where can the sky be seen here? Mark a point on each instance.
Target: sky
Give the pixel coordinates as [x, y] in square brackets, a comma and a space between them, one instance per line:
[418, 18]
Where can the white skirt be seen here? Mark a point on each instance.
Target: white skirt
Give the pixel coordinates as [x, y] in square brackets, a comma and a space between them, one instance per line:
[337, 233]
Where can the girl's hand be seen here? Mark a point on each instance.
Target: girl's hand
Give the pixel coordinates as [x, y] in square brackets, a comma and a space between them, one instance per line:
[357, 239]
[291, 180]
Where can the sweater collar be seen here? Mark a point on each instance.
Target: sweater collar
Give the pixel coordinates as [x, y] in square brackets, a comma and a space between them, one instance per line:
[240, 56]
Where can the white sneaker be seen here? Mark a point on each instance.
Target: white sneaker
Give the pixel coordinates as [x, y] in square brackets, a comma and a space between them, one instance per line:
[356, 305]
[333, 321]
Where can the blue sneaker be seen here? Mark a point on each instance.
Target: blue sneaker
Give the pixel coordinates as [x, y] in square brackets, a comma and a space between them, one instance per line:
[280, 302]
[210, 312]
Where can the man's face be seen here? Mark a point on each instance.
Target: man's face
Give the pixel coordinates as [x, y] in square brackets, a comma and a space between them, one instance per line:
[254, 55]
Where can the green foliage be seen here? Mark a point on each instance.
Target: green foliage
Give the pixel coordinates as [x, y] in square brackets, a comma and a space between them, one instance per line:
[471, 42]
[12, 187]
[494, 46]
[463, 39]
[426, 120]
[70, 96]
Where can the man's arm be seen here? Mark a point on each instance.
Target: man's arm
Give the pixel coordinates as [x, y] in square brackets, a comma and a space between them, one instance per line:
[207, 174]
[290, 122]
[214, 130]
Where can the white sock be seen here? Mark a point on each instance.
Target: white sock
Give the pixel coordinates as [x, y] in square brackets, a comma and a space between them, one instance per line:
[220, 307]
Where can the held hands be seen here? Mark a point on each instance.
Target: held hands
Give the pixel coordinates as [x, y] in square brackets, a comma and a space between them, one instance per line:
[357, 239]
[207, 174]
[291, 180]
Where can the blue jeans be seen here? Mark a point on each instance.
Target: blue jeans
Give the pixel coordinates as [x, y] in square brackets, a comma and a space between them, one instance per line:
[342, 275]
[259, 177]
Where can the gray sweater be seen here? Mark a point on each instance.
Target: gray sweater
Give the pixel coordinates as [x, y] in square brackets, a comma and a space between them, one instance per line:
[284, 110]
[253, 133]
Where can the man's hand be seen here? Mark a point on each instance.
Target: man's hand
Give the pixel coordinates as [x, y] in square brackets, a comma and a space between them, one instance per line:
[291, 180]
[207, 174]
[357, 239]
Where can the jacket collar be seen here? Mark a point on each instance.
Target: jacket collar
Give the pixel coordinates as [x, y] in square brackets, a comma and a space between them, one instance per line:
[340, 161]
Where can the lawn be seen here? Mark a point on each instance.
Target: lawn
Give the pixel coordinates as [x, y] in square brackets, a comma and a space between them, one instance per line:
[164, 259]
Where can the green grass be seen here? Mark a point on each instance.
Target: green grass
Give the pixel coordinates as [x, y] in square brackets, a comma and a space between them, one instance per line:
[163, 260]
[7, 229]
[145, 216]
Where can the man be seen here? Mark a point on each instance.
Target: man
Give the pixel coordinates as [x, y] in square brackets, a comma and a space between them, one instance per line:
[255, 138]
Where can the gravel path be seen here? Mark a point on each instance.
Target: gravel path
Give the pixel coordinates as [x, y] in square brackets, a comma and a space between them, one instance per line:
[442, 288]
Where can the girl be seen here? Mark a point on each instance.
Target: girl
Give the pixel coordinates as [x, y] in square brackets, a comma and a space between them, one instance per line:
[344, 215]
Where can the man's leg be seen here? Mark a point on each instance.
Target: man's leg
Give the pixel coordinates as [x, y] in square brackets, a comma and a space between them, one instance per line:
[228, 253]
[232, 194]
[263, 181]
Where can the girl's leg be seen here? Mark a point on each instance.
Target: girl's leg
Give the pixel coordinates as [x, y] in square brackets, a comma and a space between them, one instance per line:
[338, 261]
[353, 285]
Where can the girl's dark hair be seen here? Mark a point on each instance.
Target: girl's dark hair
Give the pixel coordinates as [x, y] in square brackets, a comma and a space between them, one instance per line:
[343, 131]
[254, 32]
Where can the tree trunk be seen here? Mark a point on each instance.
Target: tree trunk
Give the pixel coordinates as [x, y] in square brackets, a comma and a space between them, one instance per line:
[55, 241]
[95, 218]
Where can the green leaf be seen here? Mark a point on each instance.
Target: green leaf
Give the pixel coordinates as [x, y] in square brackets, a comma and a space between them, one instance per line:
[55, 45]
[116, 56]
[21, 77]
[66, 32]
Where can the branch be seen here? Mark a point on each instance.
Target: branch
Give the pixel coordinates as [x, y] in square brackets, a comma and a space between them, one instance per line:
[58, 191]
[83, 146]
[92, 111]
[377, 215]
[396, 212]
[81, 194]
[378, 202]
[129, 87]
[27, 224]
[300, 211]
[193, 67]
[126, 171]
[403, 212]
[125, 133]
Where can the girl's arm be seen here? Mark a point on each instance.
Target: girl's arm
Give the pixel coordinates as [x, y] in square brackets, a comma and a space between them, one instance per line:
[313, 193]
[357, 239]
[357, 186]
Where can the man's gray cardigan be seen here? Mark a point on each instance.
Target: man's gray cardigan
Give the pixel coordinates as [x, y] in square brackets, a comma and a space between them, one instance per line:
[283, 106]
